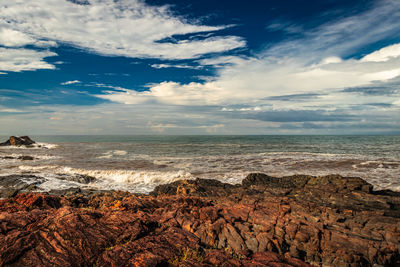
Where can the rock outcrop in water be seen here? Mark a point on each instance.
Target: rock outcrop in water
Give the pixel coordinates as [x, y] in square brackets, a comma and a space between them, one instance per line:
[266, 221]
[11, 185]
[18, 141]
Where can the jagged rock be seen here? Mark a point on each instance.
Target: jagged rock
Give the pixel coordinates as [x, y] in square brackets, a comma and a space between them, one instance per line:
[198, 187]
[12, 184]
[79, 178]
[322, 221]
[18, 141]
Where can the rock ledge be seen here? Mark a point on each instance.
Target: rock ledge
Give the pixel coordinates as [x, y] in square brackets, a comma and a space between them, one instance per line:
[292, 221]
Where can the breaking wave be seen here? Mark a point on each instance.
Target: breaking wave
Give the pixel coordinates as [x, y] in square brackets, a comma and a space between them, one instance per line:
[127, 180]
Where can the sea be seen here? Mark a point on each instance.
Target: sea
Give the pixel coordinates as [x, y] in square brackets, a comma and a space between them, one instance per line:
[139, 163]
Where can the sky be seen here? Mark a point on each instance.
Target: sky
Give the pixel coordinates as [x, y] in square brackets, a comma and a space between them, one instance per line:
[199, 67]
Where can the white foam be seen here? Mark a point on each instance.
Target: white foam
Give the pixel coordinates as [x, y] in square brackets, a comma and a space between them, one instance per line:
[112, 153]
[35, 156]
[127, 180]
[230, 168]
[33, 146]
[132, 176]
[47, 145]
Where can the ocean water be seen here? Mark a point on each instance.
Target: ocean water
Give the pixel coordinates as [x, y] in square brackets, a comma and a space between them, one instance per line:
[139, 163]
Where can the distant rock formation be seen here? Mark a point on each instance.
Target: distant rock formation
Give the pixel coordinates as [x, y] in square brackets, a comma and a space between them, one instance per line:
[18, 141]
[266, 221]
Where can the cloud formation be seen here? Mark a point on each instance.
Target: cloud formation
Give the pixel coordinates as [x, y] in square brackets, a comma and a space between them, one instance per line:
[127, 28]
[17, 60]
[70, 82]
[253, 79]
[308, 82]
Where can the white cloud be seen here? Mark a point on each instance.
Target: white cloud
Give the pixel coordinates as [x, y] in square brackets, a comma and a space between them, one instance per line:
[171, 93]
[10, 110]
[330, 60]
[311, 64]
[178, 66]
[222, 61]
[344, 36]
[250, 80]
[240, 98]
[383, 54]
[70, 82]
[125, 28]
[12, 38]
[24, 59]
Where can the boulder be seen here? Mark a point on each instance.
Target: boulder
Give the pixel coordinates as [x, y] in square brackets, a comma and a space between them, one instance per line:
[78, 178]
[12, 184]
[18, 141]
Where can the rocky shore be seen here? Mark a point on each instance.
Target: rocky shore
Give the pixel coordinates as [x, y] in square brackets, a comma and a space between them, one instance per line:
[265, 221]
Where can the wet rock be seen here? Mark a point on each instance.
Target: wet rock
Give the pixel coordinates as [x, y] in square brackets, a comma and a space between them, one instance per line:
[20, 157]
[26, 158]
[261, 179]
[198, 187]
[7, 157]
[78, 178]
[267, 221]
[12, 184]
[18, 141]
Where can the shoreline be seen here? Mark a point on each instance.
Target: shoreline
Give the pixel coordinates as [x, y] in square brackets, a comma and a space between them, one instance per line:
[138, 165]
[297, 220]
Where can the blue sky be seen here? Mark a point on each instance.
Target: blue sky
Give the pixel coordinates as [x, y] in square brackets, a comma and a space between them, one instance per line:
[199, 67]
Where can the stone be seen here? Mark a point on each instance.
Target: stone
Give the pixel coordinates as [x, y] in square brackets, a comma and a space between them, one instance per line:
[12, 184]
[79, 178]
[18, 141]
[26, 158]
[266, 221]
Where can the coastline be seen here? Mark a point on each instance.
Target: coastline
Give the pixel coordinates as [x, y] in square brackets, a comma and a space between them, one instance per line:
[265, 221]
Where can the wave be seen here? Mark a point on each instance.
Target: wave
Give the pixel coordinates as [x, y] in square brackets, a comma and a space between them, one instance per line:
[132, 176]
[33, 146]
[111, 153]
[14, 156]
[127, 180]
[47, 145]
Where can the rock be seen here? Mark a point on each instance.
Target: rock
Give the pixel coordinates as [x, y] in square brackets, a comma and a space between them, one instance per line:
[79, 178]
[20, 157]
[12, 184]
[198, 187]
[261, 179]
[266, 221]
[26, 158]
[18, 141]
[7, 157]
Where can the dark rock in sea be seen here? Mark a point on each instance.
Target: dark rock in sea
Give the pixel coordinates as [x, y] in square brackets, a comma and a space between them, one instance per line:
[266, 221]
[18, 141]
[79, 178]
[13, 184]
[26, 158]
[20, 157]
[7, 157]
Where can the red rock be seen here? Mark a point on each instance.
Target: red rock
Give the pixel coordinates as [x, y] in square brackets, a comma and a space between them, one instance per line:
[316, 221]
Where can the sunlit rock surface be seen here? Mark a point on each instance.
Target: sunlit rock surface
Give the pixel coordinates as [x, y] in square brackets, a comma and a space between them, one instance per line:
[266, 221]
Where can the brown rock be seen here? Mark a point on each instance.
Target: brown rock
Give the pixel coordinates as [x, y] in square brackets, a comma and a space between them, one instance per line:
[18, 141]
[328, 221]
